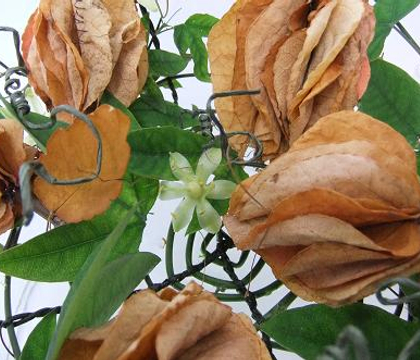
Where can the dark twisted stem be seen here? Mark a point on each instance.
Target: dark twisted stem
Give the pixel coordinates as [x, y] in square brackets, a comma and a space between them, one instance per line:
[248, 296]
[221, 249]
[23, 318]
[174, 77]
[154, 40]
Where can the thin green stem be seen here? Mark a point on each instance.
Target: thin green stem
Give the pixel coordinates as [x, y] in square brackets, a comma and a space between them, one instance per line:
[282, 305]
[174, 77]
[11, 241]
[400, 29]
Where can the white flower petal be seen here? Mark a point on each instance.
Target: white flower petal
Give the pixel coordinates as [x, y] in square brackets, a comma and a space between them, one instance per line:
[150, 5]
[181, 167]
[183, 214]
[208, 217]
[171, 190]
[208, 163]
[222, 189]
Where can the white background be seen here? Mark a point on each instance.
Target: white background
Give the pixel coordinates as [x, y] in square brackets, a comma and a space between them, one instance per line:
[29, 296]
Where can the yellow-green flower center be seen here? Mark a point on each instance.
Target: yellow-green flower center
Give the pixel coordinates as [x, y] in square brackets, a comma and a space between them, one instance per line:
[195, 190]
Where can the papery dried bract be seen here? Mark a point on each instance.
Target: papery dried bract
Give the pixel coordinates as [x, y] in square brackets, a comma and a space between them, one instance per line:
[72, 153]
[12, 154]
[306, 64]
[74, 50]
[188, 325]
[337, 214]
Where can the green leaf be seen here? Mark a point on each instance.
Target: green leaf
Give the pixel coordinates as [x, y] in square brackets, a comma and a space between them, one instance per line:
[393, 97]
[164, 63]
[100, 287]
[150, 150]
[60, 253]
[307, 330]
[152, 112]
[182, 38]
[201, 23]
[189, 36]
[152, 90]
[108, 98]
[200, 58]
[388, 13]
[36, 346]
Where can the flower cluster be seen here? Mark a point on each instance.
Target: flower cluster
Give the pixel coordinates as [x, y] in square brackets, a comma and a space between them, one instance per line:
[188, 325]
[307, 63]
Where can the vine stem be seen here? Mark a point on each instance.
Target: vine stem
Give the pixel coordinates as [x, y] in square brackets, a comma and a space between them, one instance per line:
[400, 29]
[11, 241]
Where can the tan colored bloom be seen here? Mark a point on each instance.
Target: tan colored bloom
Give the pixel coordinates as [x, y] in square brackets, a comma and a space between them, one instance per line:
[72, 154]
[74, 50]
[12, 154]
[307, 64]
[338, 213]
[190, 325]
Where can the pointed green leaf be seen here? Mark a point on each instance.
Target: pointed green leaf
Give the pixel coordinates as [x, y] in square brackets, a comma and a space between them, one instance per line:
[59, 254]
[152, 112]
[164, 63]
[36, 346]
[86, 304]
[307, 330]
[201, 23]
[388, 13]
[150, 150]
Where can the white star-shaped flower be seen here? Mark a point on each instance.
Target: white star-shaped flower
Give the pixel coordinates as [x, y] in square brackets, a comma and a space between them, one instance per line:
[195, 189]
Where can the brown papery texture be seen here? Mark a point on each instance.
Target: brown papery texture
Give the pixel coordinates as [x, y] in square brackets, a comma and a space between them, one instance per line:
[305, 61]
[72, 154]
[13, 153]
[191, 324]
[76, 49]
[337, 214]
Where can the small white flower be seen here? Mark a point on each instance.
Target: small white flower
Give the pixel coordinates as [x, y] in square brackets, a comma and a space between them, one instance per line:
[195, 190]
[150, 5]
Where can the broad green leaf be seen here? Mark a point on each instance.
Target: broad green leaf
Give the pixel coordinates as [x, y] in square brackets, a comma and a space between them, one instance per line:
[200, 58]
[60, 253]
[164, 63]
[152, 90]
[122, 276]
[393, 97]
[307, 330]
[182, 38]
[190, 36]
[176, 84]
[201, 23]
[36, 346]
[151, 112]
[150, 150]
[108, 98]
[84, 306]
[388, 13]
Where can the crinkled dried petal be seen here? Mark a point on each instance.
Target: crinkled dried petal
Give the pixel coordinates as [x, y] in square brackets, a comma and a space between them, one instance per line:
[84, 343]
[130, 72]
[12, 150]
[337, 214]
[234, 341]
[136, 312]
[72, 154]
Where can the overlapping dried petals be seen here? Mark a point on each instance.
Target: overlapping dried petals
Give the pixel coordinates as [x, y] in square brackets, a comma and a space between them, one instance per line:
[12, 154]
[338, 213]
[305, 62]
[74, 50]
[72, 154]
[188, 325]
